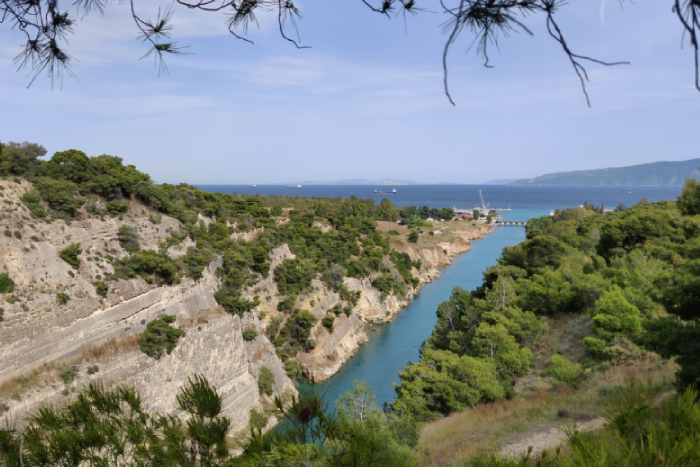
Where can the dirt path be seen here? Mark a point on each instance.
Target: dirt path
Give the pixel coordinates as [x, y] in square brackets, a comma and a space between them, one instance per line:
[550, 438]
[547, 439]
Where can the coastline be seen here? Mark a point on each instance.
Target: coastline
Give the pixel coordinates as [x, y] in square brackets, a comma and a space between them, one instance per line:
[334, 349]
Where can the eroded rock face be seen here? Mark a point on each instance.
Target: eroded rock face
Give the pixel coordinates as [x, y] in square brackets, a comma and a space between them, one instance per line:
[39, 335]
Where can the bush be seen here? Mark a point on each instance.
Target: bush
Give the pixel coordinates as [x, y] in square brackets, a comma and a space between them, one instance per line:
[258, 420]
[266, 381]
[6, 284]
[32, 199]
[11, 299]
[294, 276]
[293, 369]
[565, 371]
[18, 235]
[327, 322]
[231, 301]
[70, 255]
[62, 298]
[8, 233]
[393, 232]
[128, 238]
[117, 207]
[159, 337]
[249, 334]
[413, 237]
[102, 288]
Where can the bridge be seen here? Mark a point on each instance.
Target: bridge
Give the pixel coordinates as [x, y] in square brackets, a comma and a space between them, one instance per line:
[510, 223]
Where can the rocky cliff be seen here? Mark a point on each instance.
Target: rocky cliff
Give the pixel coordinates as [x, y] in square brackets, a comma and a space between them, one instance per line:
[40, 337]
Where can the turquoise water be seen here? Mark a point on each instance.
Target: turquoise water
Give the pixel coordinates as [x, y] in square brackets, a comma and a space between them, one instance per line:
[392, 345]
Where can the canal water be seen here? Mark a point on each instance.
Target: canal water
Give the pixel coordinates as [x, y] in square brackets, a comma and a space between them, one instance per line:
[392, 345]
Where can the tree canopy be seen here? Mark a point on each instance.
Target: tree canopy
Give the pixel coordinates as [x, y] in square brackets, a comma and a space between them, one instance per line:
[46, 26]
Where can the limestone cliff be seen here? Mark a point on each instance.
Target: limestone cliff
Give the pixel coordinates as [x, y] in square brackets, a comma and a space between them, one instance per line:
[39, 336]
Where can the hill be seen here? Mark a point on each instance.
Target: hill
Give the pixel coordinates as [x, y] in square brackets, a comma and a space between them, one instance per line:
[654, 173]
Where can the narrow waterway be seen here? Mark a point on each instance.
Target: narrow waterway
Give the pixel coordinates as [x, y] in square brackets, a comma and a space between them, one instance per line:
[392, 345]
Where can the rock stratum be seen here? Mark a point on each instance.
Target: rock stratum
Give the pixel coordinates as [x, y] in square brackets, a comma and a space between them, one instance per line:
[95, 338]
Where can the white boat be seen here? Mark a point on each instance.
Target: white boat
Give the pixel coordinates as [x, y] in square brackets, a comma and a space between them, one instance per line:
[293, 186]
[392, 192]
[252, 186]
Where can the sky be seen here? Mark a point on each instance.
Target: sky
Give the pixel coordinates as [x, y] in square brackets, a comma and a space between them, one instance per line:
[366, 100]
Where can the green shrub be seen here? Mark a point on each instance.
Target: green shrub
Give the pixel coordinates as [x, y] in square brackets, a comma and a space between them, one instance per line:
[413, 237]
[249, 334]
[61, 195]
[62, 298]
[117, 207]
[70, 255]
[8, 233]
[258, 420]
[231, 301]
[293, 369]
[7, 285]
[18, 235]
[128, 238]
[32, 199]
[67, 375]
[565, 371]
[294, 276]
[102, 288]
[2, 313]
[11, 299]
[327, 322]
[35, 238]
[393, 232]
[266, 381]
[159, 337]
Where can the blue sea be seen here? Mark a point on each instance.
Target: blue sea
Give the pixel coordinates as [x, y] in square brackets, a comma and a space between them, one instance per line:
[392, 345]
[524, 201]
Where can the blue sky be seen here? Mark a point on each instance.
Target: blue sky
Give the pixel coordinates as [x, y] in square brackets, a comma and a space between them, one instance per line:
[366, 101]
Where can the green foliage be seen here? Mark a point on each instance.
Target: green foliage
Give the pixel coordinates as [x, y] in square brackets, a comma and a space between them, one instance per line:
[266, 381]
[128, 238]
[60, 195]
[32, 199]
[149, 265]
[258, 420]
[11, 299]
[294, 276]
[689, 200]
[102, 289]
[231, 301]
[565, 371]
[327, 322]
[413, 237]
[62, 298]
[249, 334]
[7, 285]
[18, 235]
[293, 369]
[70, 255]
[293, 337]
[159, 337]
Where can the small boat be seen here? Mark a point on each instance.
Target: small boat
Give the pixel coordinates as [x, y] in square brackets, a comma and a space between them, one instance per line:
[392, 192]
[293, 186]
[252, 186]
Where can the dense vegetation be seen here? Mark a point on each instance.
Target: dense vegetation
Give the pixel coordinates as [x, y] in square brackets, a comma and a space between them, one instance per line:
[103, 186]
[111, 428]
[634, 271]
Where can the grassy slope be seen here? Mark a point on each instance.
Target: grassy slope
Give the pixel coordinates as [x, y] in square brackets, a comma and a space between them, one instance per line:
[489, 427]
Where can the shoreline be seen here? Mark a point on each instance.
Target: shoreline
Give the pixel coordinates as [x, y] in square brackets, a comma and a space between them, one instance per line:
[318, 367]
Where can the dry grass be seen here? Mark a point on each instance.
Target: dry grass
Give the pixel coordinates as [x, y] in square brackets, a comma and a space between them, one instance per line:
[450, 231]
[48, 373]
[490, 426]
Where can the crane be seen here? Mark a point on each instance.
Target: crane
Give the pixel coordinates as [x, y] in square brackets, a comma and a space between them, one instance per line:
[483, 205]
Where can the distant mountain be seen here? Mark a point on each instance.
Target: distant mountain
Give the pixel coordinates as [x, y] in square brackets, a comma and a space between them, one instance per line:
[502, 181]
[654, 173]
[359, 181]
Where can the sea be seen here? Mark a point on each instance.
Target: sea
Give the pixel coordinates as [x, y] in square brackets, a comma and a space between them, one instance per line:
[393, 345]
